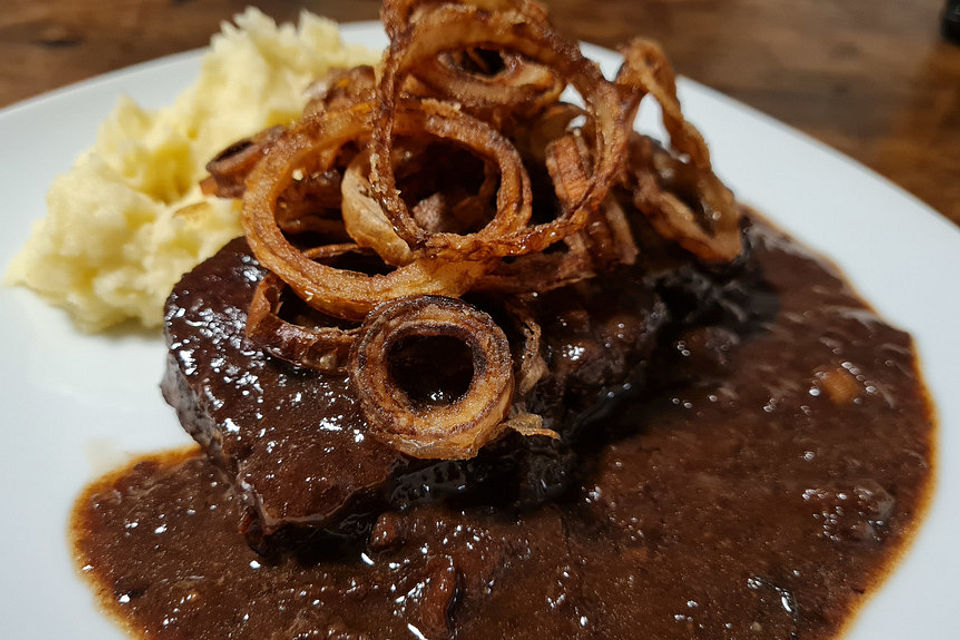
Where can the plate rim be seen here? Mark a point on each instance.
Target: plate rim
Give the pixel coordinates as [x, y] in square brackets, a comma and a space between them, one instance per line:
[356, 29]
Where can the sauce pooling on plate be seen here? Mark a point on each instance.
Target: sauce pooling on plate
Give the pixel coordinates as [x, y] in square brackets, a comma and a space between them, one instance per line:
[761, 497]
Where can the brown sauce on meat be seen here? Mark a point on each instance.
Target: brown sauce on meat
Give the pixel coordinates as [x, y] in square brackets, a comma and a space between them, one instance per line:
[761, 498]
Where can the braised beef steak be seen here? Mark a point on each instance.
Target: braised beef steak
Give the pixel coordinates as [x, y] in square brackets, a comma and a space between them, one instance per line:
[294, 444]
[759, 497]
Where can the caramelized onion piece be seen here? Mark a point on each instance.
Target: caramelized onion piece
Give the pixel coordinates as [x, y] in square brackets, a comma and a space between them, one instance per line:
[341, 89]
[320, 348]
[514, 196]
[607, 233]
[646, 70]
[456, 430]
[528, 424]
[529, 363]
[364, 218]
[715, 236]
[520, 90]
[398, 14]
[622, 248]
[534, 135]
[445, 27]
[542, 272]
[229, 169]
[685, 203]
[340, 293]
[312, 204]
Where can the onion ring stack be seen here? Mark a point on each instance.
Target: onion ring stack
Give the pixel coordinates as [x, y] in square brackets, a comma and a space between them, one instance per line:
[456, 430]
[375, 169]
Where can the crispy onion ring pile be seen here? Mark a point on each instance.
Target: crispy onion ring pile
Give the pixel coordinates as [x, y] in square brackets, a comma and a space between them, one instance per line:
[456, 168]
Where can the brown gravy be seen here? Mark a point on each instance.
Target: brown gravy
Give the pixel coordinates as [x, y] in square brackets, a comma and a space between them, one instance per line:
[762, 499]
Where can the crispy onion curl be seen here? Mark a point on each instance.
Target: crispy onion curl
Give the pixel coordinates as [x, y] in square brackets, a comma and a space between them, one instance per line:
[607, 234]
[685, 203]
[397, 15]
[324, 348]
[713, 232]
[364, 218]
[314, 143]
[529, 365]
[447, 27]
[385, 165]
[514, 205]
[519, 90]
[229, 169]
[456, 430]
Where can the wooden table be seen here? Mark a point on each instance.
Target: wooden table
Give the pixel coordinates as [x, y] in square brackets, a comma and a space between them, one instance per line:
[871, 78]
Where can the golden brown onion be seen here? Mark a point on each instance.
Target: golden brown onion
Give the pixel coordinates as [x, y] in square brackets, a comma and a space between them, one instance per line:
[685, 203]
[532, 136]
[646, 70]
[320, 348]
[542, 272]
[520, 90]
[443, 120]
[312, 204]
[456, 430]
[364, 218]
[313, 145]
[528, 360]
[229, 169]
[341, 89]
[716, 236]
[445, 27]
[607, 233]
[622, 248]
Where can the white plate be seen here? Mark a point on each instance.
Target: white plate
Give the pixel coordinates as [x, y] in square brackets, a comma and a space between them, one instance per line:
[69, 400]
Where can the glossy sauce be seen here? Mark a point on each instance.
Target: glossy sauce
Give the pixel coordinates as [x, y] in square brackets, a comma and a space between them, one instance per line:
[761, 498]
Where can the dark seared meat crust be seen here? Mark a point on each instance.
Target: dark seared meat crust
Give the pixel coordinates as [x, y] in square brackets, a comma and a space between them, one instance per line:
[294, 444]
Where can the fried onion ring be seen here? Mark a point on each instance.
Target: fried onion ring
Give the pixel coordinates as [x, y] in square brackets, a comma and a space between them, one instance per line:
[646, 71]
[521, 90]
[457, 27]
[319, 348]
[229, 169]
[685, 203]
[337, 292]
[450, 431]
[514, 196]
[364, 218]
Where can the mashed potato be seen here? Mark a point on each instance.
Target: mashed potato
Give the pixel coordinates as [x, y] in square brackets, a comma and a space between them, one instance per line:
[129, 219]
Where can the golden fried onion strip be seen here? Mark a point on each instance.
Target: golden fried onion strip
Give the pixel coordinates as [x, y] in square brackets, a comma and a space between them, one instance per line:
[716, 237]
[338, 292]
[398, 14]
[364, 218]
[448, 27]
[451, 431]
[684, 203]
[320, 348]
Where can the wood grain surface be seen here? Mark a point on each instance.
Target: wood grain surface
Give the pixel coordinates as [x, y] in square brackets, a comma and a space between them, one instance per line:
[872, 78]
